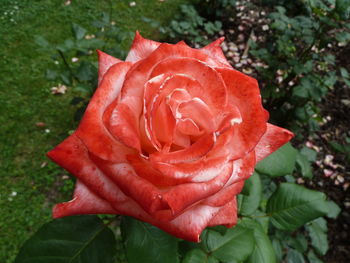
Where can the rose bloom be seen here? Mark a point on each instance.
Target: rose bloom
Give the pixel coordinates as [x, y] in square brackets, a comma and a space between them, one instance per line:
[169, 138]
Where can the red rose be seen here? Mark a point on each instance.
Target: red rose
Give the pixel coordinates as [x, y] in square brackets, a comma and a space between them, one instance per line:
[169, 138]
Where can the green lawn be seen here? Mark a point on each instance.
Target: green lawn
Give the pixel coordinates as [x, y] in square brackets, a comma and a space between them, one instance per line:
[28, 190]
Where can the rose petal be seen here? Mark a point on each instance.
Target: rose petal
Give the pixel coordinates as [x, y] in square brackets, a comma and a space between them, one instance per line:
[152, 91]
[190, 224]
[214, 50]
[92, 130]
[215, 95]
[243, 92]
[163, 124]
[188, 127]
[123, 125]
[84, 202]
[226, 216]
[105, 61]
[273, 139]
[142, 191]
[73, 156]
[183, 195]
[199, 112]
[190, 154]
[225, 195]
[141, 48]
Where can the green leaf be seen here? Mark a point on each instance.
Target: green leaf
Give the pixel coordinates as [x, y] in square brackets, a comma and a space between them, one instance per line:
[295, 256]
[318, 234]
[198, 256]
[334, 210]
[309, 154]
[78, 31]
[342, 36]
[313, 258]
[304, 166]
[344, 73]
[72, 239]
[278, 249]
[291, 206]
[195, 256]
[263, 250]
[237, 243]
[250, 197]
[300, 91]
[299, 242]
[86, 71]
[279, 163]
[147, 244]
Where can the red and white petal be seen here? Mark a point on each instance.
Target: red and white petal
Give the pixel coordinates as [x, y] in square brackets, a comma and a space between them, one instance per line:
[141, 48]
[273, 139]
[144, 169]
[84, 202]
[73, 156]
[191, 223]
[105, 61]
[199, 112]
[132, 91]
[182, 196]
[214, 50]
[188, 127]
[124, 126]
[225, 195]
[190, 154]
[142, 191]
[215, 95]
[92, 130]
[151, 95]
[226, 216]
[243, 92]
[163, 124]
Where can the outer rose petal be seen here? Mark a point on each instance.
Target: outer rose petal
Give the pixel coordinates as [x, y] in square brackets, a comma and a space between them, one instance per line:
[141, 48]
[214, 50]
[91, 130]
[273, 139]
[84, 202]
[244, 93]
[73, 156]
[105, 61]
[226, 216]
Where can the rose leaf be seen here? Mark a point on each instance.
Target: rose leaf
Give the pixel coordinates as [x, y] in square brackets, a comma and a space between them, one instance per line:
[291, 206]
[147, 244]
[279, 163]
[70, 239]
[263, 251]
[236, 244]
[250, 197]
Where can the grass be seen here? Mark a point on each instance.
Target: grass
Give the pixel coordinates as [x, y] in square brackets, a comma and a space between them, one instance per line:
[30, 183]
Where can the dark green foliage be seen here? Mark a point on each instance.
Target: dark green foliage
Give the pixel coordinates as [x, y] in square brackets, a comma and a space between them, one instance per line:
[301, 45]
[70, 240]
[146, 243]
